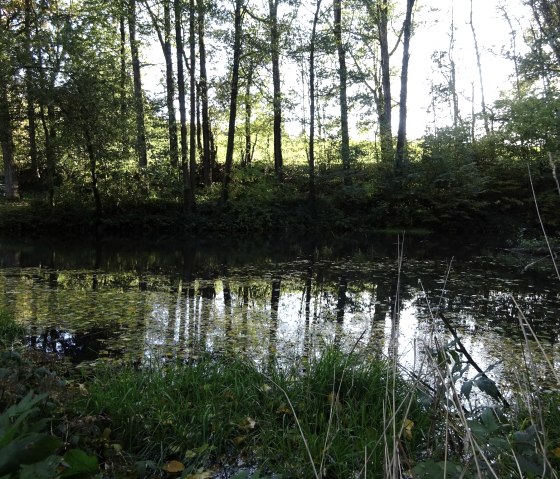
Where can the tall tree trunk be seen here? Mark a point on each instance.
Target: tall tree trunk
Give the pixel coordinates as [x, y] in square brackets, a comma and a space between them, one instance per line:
[49, 131]
[188, 199]
[170, 84]
[192, 73]
[479, 66]
[276, 98]
[311, 158]
[123, 72]
[6, 139]
[453, 71]
[384, 109]
[29, 86]
[401, 157]
[247, 154]
[137, 81]
[233, 97]
[206, 148]
[93, 172]
[343, 79]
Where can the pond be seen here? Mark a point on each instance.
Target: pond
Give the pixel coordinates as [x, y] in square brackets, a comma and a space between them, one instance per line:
[275, 300]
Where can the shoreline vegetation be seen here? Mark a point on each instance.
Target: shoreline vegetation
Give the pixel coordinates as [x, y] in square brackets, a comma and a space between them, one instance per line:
[340, 415]
[424, 198]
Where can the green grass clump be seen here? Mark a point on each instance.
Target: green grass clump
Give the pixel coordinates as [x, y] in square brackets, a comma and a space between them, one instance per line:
[326, 417]
[10, 330]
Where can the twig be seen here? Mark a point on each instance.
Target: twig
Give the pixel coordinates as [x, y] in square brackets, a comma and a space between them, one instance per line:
[469, 358]
[553, 167]
[552, 256]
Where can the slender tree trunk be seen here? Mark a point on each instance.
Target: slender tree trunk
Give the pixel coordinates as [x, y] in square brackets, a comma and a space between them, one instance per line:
[206, 147]
[93, 173]
[343, 79]
[401, 157]
[247, 156]
[276, 99]
[311, 158]
[479, 66]
[188, 200]
[453, 71]
[233, 96]
[137, 81]
[170, 84]
[192, 73]
[123, 73]
[29, 86]
[49, 131]
[6, 139]
[384, 109]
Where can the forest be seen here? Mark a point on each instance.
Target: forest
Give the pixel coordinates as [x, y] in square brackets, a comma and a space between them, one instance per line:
[268, 116]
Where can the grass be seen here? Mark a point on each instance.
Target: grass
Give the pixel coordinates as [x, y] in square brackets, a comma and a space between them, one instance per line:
[314, 420]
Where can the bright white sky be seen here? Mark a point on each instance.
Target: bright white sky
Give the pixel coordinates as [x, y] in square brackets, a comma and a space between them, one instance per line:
[433, 19]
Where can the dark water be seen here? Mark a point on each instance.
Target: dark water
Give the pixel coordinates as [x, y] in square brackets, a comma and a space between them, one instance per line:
[275, 300]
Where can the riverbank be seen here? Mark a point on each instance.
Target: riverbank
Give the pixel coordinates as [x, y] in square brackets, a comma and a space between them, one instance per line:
[339, 415]
[259, 204]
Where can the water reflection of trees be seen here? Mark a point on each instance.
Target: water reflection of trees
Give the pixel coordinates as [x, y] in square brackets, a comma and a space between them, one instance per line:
[187, 301]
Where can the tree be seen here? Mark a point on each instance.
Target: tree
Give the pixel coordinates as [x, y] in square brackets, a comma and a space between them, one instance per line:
[164, 37]
[188, 196]
[401, 158]
[311, 158]
[7, 78]
[141, 150]
[234, 87]
[277, 94]
[207, 151]
[480, 77]
[343, 78]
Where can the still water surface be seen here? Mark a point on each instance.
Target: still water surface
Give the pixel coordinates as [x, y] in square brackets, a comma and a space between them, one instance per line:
[274, 300]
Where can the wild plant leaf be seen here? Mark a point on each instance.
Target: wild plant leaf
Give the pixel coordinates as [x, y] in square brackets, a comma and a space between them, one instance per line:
[528, 467]
[466, 389]
[486, 385]
[488, 418]
[79, 463]
[27, 449]
[45, 469]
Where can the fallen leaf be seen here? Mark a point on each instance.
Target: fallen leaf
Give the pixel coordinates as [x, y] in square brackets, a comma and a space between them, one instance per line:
[283, 409]
[200, 475]
[247, 423]
[173, 467]
[239, 440]
[556, 452]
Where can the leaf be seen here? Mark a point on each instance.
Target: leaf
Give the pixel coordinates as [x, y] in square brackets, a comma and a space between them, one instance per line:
[45, 469]
[466, 389]
[247, 423]
[485, 384]
[79, 463]
[556, 452]
[408, 425]
[27, 449]
[173, 467]
[283, 409]
[201, 475]
[238, 440]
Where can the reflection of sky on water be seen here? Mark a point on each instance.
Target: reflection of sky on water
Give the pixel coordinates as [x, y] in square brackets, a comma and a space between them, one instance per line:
[278, 311]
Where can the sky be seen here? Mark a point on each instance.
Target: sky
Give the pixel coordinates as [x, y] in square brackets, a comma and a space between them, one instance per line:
[433, 21]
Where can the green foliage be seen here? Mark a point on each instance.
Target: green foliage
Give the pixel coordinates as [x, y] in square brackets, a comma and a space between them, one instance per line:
[10, 329]
[27, 451]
